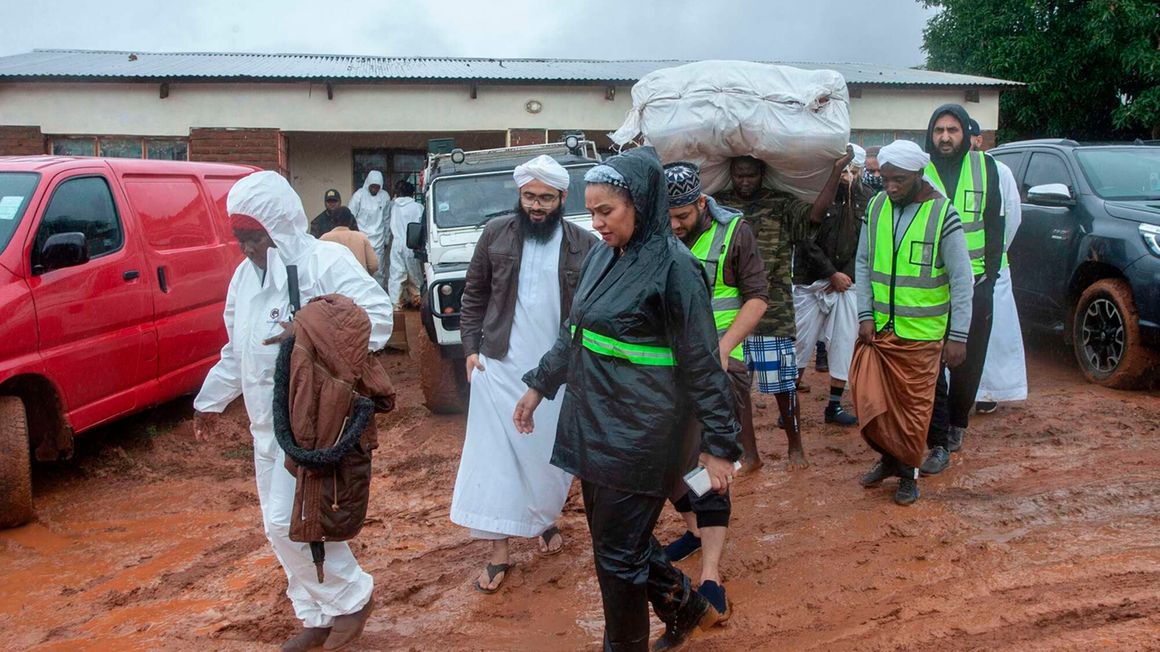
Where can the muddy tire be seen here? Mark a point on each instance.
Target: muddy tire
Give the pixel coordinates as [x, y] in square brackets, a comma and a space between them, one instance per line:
[1106, 336]
[15, 464]
[443, 380]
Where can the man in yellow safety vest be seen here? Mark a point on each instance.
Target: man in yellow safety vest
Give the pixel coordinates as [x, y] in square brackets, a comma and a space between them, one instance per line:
[914, 291]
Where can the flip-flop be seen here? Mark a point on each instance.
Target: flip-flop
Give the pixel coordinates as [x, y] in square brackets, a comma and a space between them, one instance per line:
[492, 571]
[546, 536]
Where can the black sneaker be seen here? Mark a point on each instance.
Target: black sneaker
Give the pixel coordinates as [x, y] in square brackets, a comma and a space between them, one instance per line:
[907, 491]
[715, 594]
[698, 614]
[683, 547]
[881, 470]
[986, 407]
[822, 359]
[955, 438]
[936, 462]
[835, 414]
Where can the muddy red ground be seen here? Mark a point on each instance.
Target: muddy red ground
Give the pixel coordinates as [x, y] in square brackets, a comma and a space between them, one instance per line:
[1044, 535]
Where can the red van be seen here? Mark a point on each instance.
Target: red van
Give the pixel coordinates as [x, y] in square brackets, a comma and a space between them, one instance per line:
[113, 276]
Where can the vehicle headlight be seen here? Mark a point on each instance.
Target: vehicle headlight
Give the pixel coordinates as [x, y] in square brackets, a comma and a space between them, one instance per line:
[1151, 235]
[445, 289]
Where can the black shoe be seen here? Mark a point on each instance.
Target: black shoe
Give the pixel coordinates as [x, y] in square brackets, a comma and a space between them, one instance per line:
[986, 407]
[698, 614]
[715, 594]
[955, 438]
[881, 470]
[907, 491]
[822, 360]
[683, 547]
[835, 414]
[936, 462]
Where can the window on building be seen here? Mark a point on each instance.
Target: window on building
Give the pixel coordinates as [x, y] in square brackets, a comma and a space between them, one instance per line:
[396, 165]
[165, 149]
[83, 205]
[878, 138]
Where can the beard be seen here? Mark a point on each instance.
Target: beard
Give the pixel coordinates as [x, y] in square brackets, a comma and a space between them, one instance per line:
[543, 230]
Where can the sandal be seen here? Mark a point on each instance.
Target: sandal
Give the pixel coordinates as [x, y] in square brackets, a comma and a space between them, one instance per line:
[492, 571]
[546, 536]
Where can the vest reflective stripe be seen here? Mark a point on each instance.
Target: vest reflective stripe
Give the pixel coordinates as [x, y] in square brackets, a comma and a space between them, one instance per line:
[909, 281]
[970, 199]
[648, 355]
[711, 249]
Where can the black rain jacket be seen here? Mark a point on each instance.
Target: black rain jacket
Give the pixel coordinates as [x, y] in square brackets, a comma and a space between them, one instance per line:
[624, 425]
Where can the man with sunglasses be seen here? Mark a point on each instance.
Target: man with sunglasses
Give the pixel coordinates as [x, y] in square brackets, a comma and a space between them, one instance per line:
[519, 287]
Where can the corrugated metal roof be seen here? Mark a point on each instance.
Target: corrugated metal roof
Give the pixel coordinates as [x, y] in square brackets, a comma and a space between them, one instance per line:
[206, 66]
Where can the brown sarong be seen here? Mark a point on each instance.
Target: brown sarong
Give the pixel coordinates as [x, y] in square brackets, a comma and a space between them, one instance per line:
[892, 381]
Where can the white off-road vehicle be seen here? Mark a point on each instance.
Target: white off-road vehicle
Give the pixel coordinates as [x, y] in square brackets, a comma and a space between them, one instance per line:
[461, 192]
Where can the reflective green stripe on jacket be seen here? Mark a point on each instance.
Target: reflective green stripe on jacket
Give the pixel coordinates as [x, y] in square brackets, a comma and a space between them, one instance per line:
[643, 354]
[971, 200]
[911, 288]
[711, 249]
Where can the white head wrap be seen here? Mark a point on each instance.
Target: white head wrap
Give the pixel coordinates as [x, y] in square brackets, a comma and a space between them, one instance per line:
[904, 155]
[542, 168]
[859, 156]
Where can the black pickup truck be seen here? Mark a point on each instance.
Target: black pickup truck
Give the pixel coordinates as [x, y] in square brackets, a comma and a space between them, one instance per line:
[1085, 262]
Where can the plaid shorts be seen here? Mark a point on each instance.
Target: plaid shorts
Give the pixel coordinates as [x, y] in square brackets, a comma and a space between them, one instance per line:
[773, 362]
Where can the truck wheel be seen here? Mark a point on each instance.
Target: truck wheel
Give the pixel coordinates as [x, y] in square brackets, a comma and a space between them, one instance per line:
[15, 464]
[1106, 336]
[443, 381]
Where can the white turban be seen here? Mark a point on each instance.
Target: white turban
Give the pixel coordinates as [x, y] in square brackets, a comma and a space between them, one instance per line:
[859, 156]
[542, 168]
[904, 155]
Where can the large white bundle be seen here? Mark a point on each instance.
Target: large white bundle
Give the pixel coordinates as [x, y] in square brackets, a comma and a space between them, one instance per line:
[797, 121]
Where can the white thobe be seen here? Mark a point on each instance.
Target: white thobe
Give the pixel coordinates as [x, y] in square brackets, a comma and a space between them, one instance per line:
[1005, 369]
[828, 316]
[506, 484]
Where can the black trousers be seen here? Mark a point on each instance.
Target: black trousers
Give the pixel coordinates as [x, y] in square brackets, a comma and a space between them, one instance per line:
[712, 509]
[631, 566]
[953, 400]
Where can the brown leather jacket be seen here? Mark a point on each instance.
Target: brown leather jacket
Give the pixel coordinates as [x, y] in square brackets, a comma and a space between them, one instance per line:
[329, 368]
[489, 298]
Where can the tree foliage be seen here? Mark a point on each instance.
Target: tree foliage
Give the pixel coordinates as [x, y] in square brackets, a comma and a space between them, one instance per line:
[1092, 69]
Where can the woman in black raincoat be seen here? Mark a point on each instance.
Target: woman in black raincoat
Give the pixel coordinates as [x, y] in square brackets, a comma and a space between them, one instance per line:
[639, 355]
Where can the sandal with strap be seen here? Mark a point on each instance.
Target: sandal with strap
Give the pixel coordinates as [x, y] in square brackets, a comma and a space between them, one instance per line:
[492, 571]
[546, 536]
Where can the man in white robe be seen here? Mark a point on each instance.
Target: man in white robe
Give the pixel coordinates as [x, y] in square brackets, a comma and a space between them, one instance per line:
[1005, 370]
[519, 288]
[370, 205]
[270, 225]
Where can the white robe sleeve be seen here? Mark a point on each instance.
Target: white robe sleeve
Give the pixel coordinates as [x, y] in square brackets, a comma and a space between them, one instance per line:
[224, 382]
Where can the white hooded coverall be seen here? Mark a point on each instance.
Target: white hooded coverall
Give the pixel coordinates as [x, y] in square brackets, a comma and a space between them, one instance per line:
[255, 306]
[404, 265]
[370, 213]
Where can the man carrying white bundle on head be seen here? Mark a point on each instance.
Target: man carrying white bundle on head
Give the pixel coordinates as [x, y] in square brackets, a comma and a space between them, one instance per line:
[520, 285]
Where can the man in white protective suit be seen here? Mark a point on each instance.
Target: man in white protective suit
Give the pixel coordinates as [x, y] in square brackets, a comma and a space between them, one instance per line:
[371, 207]
[520, 285]
[406, 275]
[1005, 369]
[267, 217]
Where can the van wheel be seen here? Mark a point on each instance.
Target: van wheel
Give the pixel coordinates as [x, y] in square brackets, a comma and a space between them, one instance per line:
[443, 380]
[15, 464]
[1106, 336]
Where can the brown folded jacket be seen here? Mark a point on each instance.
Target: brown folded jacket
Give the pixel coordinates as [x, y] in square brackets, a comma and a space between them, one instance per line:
[329, 369]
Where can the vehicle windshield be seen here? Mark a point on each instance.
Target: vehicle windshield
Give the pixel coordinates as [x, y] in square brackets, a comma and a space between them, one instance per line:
[472, 200]
[1122, 172]
[16, 190]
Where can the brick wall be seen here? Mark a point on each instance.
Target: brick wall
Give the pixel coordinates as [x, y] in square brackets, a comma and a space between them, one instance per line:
[521, 137]
[21, 141]
[988, 139]
[265, 148]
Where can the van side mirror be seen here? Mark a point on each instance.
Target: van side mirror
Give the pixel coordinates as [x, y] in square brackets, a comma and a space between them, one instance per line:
[415, 236]
[1050, 194]
[62, 250]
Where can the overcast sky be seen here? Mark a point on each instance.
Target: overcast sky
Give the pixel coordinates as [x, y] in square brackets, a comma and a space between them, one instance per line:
[881, 31]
